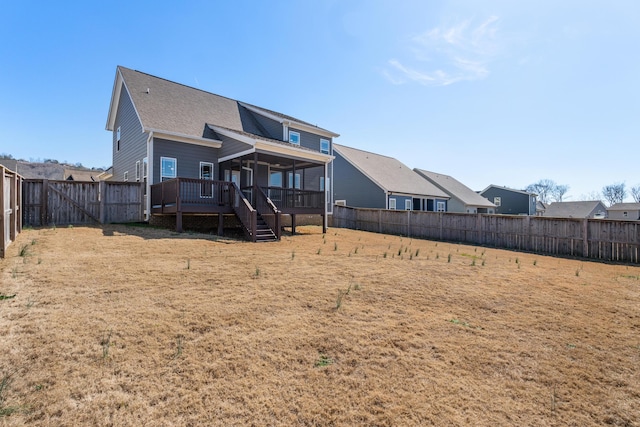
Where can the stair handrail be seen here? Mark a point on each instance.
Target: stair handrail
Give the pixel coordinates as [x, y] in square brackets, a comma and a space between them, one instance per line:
[245, 212]
[269, 212]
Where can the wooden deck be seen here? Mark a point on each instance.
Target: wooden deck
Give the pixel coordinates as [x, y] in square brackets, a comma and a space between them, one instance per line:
[252, 205]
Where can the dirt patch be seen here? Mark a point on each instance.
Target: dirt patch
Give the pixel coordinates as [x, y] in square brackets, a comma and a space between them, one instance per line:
[134, 326]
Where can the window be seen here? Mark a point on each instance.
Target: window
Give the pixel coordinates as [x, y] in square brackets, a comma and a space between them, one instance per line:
[290, 176]
[138, 170]
[118, 139]
[407, 205]
[322, 183]
[126, 176]
[625, 214]
[275, 179]
[441, 206]
[392, 203]
[294, 137]
[145, 168]
[324, 146]
[497, 201]
[168, 168]
[206, 170]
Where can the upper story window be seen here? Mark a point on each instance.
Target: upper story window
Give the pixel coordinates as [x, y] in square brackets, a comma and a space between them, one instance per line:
[324, 146]
[294, 137]
[392, 203]
[118, 139]
[138, 170]
[145, 168]
[497, 201]
[126, 176]
[625, 214]
[441, 206]
[168, 168]
[407, 205]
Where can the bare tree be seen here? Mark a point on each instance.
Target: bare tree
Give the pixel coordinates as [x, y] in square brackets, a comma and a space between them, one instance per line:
[542, 188]
[558, 192]
[594, 195]
[635, 193]
[614, 193]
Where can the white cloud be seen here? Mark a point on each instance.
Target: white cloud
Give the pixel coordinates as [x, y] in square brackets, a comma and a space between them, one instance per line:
[447, 54]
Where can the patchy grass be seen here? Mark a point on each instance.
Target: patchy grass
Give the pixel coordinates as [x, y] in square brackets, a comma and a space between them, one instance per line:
[139, 326]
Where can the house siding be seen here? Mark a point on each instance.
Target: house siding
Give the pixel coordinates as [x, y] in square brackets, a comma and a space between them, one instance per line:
[133, 141]
[632, 215]
[188, 158]
[512, 203]
[231, 146]
[272, 128]
[353, 186]
[311, 140]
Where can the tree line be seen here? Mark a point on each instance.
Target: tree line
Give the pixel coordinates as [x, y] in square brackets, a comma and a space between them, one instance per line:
[549, 191]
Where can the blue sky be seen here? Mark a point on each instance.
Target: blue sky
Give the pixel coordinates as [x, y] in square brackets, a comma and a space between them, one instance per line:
[491, 92]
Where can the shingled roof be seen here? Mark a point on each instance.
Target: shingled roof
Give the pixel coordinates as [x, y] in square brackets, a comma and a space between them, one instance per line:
[166, 106]
[585, 209]
[389, 173]
[456, 189]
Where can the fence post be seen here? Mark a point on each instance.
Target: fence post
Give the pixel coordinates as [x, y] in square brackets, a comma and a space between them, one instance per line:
[585, 238]
[441, 217]
[380, 221]
[44, 205]
[408, 223]
[13, 204]
[527, 224]
[102, 195]
[479, 228]
[3, 237]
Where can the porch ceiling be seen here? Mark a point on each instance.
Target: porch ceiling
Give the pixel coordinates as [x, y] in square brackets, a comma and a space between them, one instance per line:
[280, 161]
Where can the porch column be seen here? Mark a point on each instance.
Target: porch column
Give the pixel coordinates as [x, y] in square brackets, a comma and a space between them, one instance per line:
[254, 193]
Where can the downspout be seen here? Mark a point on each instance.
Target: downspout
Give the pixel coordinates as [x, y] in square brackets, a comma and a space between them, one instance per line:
[149, 173]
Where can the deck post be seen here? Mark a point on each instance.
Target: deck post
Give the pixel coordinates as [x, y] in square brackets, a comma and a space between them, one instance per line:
[220, 224]
[102, 193]
[293, 223]
[324, 223]
[178, 207]
[44, 202]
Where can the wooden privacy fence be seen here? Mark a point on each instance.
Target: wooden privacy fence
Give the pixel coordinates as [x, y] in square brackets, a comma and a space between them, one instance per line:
[587, 238]
[10, 202]
[73, 202]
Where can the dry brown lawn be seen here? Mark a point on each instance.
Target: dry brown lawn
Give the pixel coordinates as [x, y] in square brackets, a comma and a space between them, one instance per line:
[132, 326]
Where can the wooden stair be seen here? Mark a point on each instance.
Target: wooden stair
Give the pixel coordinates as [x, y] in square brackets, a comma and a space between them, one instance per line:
[263, 232]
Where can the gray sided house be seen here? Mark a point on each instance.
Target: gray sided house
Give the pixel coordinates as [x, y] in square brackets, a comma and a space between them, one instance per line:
[368, 180]
[176, 138]
[510, 201]
[463, 199]
[625, 211]
[593, 209]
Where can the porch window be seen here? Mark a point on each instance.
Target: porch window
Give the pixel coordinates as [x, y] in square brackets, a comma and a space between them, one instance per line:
[392, 203]
[322, 183]
[324, 146]
[168, 168]
[440, 206]
[294, 137]
[275, 179]
[407, 205]
[290, 176]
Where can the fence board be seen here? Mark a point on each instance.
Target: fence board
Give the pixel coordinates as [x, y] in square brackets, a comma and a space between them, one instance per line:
[597, 239]
[10, 206]
[76, 203]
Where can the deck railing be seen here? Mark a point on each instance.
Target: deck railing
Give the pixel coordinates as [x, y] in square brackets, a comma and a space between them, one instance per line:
[288, 198]
[269, 212]
[188, 194]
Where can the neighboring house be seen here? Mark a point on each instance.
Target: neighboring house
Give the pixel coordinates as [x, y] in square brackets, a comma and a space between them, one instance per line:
[462, 198]
[625, 211]
[82, 175]
[510, 201]
[164, 130]
[587, 209]
[368, 180]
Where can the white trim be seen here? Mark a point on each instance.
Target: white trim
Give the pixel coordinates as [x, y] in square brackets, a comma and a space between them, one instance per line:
[188, 139]
[115, 101]
[138, 171]
[236, 155]
[289, 122]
